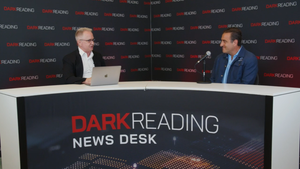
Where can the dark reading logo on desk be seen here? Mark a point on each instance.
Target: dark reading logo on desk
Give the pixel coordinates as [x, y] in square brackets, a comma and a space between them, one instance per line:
[138, 121]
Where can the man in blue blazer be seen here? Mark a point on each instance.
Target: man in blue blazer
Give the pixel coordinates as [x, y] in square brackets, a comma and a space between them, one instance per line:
[78, 65]
[236, 64]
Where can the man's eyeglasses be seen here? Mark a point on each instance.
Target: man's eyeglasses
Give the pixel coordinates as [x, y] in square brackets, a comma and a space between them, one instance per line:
[89, 40]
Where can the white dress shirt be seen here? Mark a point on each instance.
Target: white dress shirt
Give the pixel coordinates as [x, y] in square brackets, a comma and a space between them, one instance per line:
[87, 63]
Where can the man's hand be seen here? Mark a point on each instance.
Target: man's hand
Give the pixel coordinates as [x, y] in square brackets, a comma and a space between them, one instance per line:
[87, 81]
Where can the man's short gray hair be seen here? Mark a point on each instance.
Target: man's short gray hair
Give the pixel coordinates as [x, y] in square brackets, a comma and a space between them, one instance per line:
[80, 31]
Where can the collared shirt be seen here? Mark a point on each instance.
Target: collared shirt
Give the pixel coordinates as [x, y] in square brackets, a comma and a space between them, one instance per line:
[229, 64]
[87, 63]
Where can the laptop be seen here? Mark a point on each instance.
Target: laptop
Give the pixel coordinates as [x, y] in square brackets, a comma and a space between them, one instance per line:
[105, 75]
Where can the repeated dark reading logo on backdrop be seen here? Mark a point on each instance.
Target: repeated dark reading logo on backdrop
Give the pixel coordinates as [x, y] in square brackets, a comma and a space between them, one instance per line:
[167, 30]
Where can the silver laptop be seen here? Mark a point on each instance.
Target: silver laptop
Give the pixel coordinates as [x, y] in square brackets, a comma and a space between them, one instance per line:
[106, 75]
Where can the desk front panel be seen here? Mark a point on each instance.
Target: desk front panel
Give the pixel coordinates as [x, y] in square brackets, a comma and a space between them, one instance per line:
[143, 129]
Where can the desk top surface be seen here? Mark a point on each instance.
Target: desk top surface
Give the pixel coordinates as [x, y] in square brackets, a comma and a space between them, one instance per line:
[152, 85]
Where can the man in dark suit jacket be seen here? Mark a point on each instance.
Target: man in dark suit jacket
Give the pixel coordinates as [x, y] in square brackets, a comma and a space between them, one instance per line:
[78, 65]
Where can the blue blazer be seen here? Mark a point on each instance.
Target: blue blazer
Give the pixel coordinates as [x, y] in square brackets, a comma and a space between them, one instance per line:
[242, 71]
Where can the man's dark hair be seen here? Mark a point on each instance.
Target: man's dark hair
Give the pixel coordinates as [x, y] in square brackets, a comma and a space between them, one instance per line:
[236, 34]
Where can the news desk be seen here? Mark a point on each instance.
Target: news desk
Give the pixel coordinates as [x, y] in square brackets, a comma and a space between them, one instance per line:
[150, 125]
